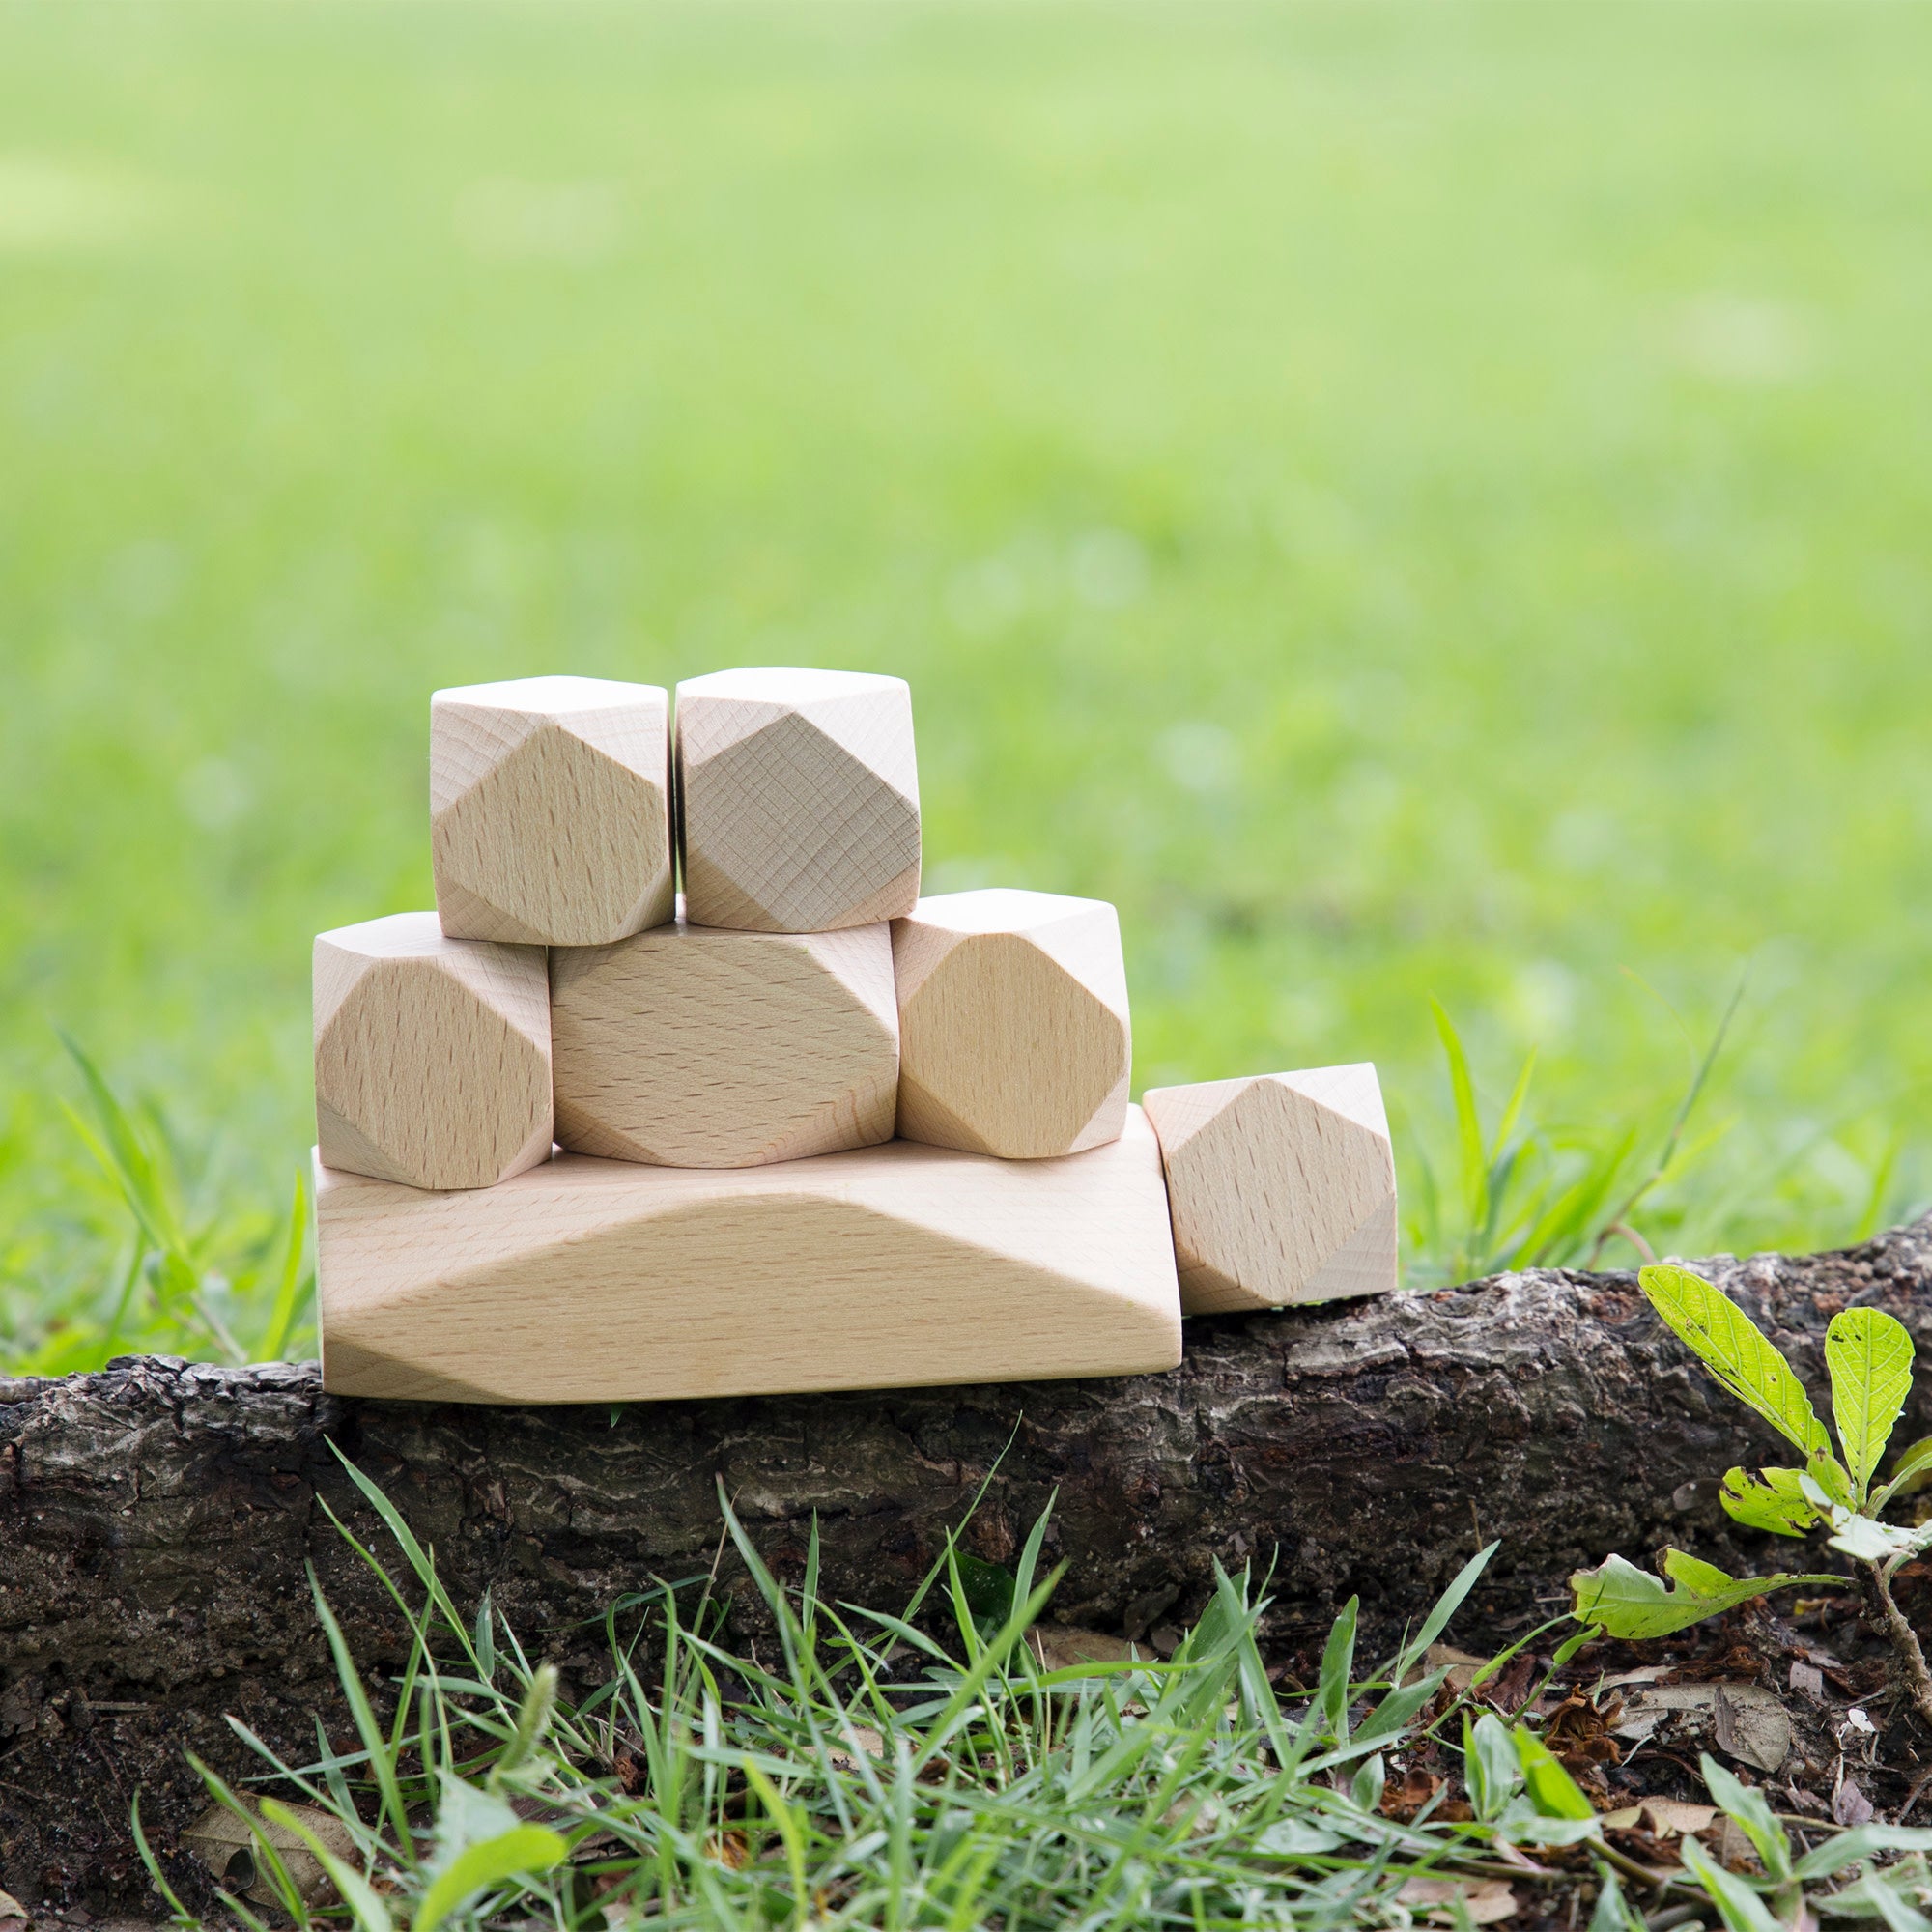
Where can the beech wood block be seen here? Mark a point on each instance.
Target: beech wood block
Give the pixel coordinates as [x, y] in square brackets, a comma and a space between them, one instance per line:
[1281, 1187]
[1013, 1031]
[432, 1054]
[798, 799]
[697, 1046]
[588, 1280]
[550, 810]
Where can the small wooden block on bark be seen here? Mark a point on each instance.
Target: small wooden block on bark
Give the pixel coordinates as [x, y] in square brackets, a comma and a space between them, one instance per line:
[589, 1280]
[798, 799]
[1013, 1030]
[550, 810]
[1281, 1187]
[697, 1046]
[432, 1055]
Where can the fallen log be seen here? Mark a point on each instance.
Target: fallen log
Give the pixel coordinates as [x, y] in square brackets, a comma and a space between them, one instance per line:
[157, 1520]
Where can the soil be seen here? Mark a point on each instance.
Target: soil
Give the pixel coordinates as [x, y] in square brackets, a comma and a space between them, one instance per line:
[159, 1522]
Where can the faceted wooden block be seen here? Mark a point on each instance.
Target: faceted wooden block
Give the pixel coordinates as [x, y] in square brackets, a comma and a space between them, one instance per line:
[1281, 1187]
[697, 1046]
[798, 799]
[589, 1280]
[1014, 1031]
[550, 810]
[432, 1055]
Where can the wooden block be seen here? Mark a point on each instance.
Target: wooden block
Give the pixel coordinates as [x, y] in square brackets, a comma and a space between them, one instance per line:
[432, 1055]
[589, 1280]
[550, 810]
[798, 798]
[1014, 1031]
[1281, 1187]
[697, 1046]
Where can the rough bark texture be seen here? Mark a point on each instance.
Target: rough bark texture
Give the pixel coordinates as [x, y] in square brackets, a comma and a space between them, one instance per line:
[156, 1520]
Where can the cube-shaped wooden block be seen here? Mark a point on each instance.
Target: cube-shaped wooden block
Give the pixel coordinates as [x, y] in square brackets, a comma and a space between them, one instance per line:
[697, 1046]
[1014, 1031]
[798, 799]
[600, 1281]
[550, 810]
[1281, 1187]
[432, 1054]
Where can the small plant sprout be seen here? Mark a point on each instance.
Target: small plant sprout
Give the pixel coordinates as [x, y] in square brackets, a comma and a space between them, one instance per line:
[1869, 1356]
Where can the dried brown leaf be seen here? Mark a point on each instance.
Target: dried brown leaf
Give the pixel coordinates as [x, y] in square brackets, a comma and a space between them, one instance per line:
[1486, 1901]
[1667, 1818]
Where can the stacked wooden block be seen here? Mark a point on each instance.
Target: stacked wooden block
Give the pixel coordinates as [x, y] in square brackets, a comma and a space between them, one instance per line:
[581, 1139]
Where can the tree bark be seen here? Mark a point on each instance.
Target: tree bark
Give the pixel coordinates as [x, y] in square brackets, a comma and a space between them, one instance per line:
[156, 1519]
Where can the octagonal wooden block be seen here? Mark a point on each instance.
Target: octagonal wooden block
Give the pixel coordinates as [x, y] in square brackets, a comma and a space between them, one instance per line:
[798, 799]
[432, 1054]
[1014, 1036]
[885, 1267]
[697, 1046]
[550, 810]
[1281, 1187]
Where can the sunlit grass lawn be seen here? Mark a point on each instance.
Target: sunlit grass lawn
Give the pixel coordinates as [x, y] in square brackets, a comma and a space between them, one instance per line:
[1401, 497]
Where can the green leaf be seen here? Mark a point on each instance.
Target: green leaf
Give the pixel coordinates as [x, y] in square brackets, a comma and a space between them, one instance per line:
[523, 1849]
[1872, 1542]
[1468, 1121]
[1446, 1606]
[1768, 1499]
[1869, 1355]
[1753, 1816]
[1729, 1344]
[1908, 1474]
[1881, 1895]
[1522, 1824]
[381, 1760]
[362, 1899]
[1693, 1573]
[1632, 1603]
[1612, 1912]
[1490, 1767]
[1552, 1789]
[989, 1589]
[1338, 1660]
[1398, 1708]
[1737, 1905]
[288, 1294]
[1294, 1838]
[1861, 1842]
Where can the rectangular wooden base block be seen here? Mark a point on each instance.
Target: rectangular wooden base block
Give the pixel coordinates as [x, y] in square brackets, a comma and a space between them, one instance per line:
[588, 1280]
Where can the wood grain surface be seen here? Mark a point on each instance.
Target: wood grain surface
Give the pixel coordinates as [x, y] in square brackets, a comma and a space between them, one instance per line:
[1281, 1187]
[798, 799]
[699, 1047]
[588, 1280]
[1014, 1036]
[551, 809]
[432, 1055]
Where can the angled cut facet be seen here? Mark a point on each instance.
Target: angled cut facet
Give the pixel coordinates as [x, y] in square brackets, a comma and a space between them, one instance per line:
[551, 809]
[432, 1055]
[1281, 1187]
[596, 1281]
[1013, 1031]
[696, 1046]
[799, 799]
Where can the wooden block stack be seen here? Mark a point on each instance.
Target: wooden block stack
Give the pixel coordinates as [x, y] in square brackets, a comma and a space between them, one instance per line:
[814, 1131]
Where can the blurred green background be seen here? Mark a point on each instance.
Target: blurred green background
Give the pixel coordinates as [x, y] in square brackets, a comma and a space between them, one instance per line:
[1404, 497]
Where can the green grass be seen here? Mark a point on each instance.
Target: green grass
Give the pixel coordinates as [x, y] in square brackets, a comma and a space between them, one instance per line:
[1405, 499]
[942, 1768]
